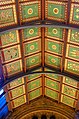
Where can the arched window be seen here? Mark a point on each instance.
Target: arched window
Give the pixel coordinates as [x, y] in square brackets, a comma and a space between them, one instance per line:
[34, 117]
[3, 105]
[52, 117]
[43, 117]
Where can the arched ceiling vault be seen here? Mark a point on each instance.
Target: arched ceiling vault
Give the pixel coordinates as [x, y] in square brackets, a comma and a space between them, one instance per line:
[39, 36]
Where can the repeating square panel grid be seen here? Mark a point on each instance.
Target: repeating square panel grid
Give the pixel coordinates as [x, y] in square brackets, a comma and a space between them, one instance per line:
[56, 10]
[30, 11]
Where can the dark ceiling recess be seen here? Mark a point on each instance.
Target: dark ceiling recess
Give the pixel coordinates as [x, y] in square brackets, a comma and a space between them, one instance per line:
[34, 117]
[52, 117]
[43, 117]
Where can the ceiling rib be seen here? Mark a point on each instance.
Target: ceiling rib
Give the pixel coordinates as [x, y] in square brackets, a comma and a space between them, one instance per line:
[40, 23]
[22, 74]
[43, 45]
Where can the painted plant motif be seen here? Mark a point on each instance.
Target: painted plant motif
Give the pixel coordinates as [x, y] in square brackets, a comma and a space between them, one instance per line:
[9, 38]
[12, 53]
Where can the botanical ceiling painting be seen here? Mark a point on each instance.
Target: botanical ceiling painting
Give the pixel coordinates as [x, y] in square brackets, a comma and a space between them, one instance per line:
[28, 46]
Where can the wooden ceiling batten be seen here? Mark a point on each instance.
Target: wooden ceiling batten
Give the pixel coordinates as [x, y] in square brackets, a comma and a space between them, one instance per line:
[43, 45]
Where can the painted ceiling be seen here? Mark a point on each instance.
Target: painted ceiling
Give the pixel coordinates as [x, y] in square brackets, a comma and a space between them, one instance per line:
[39, 49]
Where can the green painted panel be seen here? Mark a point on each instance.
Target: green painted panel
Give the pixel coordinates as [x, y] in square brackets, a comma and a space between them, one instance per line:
[34, 84]
[74, 36]
[33, 61]
[52, 94]
[52, 60]
[55, 32]
[73, 67]
[17, 82]
[17, 91]
[35, 94]
[31, 47]
[9, 38]
[34, 76]
[13, 68]
[54, 47]
[57, 11]
[51, 84]
[69, 91]
[11, 53]
[19, 101]
[73, 52]
[68, 101]
[6, 15]
[53, 76]
[30, 32]
[71, 82]
[76, 14]
[29, 11]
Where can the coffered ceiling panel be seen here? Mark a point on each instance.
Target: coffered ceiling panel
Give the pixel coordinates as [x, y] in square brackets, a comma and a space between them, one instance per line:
[74, 15]
[9, 38]
[53, 60]
[17, 92]
[34, 84]
[52, 94]
[53, 46]
[31, 33]
[8, 15]
[34, 94]
[33, 60]
[55, 33]
[52, 76]
[30, 11]
[73, 36]
[16, 83]
[56, 10]
[68, 101]
[19, 101]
